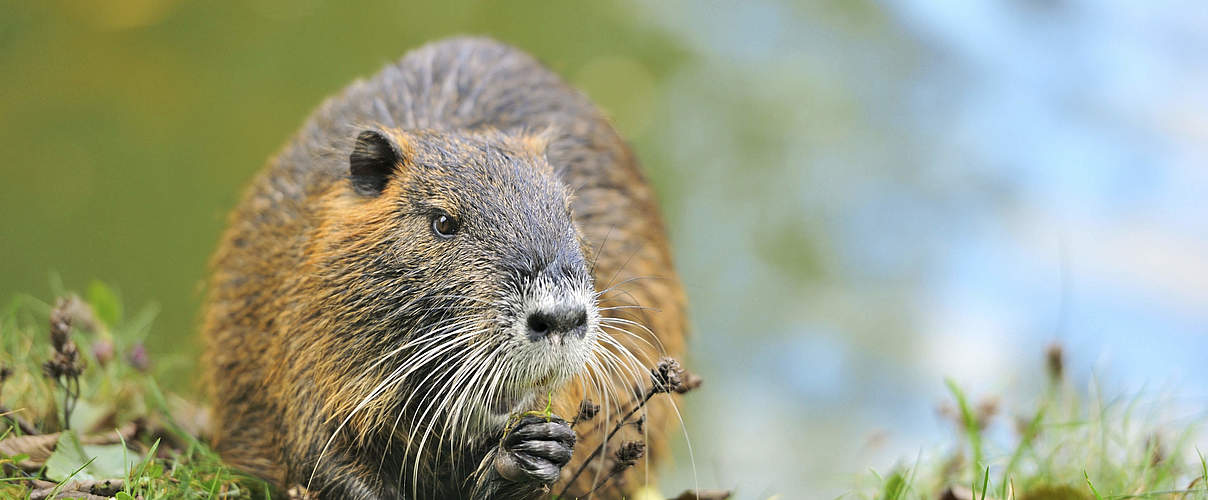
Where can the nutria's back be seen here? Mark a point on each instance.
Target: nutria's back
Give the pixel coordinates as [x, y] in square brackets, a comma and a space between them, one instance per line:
[329, 301]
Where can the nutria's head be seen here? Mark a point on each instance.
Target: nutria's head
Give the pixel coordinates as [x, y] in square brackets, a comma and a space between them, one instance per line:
[455, 289]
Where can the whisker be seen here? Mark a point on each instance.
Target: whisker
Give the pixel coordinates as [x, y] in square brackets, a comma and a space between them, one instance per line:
[634, 335]
[389, 381]
[627, 281]
[642, 308]
[600, 249]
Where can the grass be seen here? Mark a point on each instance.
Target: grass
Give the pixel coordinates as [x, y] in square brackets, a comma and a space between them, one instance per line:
[1066, 445]
[117, 389]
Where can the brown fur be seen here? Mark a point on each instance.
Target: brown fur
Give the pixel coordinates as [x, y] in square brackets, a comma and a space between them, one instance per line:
[294, 299]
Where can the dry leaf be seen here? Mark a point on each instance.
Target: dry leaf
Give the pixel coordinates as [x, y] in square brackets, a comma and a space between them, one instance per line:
[38, 448]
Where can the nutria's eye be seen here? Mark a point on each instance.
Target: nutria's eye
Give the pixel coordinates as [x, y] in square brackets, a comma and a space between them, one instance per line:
[444, 225]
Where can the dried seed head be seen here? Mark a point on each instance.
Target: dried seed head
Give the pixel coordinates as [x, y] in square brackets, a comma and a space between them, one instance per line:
[691, 381]
[78, 313]
[628, 454]
[987, 409]
[587, 411]
[65, 361]
[60, 323]
[1054, 358]
[667, 376]
[640, 424]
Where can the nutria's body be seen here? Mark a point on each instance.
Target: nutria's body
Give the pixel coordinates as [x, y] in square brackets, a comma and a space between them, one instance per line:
[424, 259]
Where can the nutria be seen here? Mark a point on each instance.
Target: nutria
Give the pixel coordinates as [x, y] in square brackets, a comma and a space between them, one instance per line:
[457, 240]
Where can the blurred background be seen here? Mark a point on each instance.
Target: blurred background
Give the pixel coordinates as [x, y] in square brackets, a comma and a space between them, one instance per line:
[865, 196]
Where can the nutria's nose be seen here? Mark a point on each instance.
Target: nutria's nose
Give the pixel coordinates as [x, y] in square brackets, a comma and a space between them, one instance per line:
[559, 320]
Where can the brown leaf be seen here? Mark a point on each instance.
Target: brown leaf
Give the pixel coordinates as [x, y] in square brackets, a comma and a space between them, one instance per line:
[38, 448]
[87, 490]
[64, 493]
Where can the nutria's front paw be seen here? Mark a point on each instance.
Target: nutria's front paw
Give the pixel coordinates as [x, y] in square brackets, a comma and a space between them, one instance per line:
[535, 449]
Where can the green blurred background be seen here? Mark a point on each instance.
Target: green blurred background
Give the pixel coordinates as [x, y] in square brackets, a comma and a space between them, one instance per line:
[864, 196]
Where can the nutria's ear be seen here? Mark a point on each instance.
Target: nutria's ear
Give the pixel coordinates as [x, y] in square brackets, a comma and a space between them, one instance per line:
[372, 162]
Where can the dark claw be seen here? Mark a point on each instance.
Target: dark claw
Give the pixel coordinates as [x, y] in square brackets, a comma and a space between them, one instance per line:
[537, 428]
[536, 449]
[522, 467]
[552, 451]
[539, 469]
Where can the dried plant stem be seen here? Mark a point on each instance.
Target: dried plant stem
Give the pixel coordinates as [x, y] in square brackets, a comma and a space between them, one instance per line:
[626, 456]
[65, 364]
[607, 478]
[599, 449]
[666, 377]
[71, 394]
[587, 411]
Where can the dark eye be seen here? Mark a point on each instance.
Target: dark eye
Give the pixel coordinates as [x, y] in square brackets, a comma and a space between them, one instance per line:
[444, 225]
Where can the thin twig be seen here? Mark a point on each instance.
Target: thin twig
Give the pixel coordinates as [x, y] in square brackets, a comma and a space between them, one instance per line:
[26, 427]
[626, 456]
[667, 376]
[620, 424]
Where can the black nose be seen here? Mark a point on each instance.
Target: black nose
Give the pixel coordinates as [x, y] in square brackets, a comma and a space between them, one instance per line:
[562, 320]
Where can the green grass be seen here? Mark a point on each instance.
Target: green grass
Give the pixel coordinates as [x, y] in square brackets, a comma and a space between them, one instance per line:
[160, 461]
[1067, 445]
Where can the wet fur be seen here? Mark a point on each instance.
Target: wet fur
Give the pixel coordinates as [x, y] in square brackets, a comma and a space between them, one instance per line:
[313, 284]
